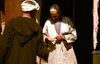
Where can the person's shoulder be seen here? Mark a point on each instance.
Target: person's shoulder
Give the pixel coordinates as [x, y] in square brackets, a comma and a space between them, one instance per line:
[67, 20]
[16, 18]
[65, 17]
[49, 20]
[13, 19]
[10, 21]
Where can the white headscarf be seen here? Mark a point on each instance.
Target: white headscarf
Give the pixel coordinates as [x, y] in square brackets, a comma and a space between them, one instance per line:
[29, 7]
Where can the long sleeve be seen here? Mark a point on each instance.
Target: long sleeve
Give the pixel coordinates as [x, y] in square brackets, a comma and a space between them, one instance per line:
[45, 31]
[4, 43]
[42, 50]
[72, 35]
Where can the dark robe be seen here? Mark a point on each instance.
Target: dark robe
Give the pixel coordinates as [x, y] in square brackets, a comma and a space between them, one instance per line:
[21, 41]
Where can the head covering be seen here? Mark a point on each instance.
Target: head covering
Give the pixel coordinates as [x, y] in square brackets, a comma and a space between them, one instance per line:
[29, 5]
[54, 7]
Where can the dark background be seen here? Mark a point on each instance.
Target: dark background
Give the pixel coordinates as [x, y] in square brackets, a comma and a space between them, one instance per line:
[83, 22]
[2, 5]
[84, 27]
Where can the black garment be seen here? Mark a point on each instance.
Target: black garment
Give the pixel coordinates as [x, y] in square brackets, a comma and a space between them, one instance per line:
[21, 41]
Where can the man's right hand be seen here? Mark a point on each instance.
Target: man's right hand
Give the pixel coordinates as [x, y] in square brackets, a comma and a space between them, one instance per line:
[50, 39]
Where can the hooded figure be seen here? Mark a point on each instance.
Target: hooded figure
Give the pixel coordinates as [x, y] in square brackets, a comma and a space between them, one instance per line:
[22, 39]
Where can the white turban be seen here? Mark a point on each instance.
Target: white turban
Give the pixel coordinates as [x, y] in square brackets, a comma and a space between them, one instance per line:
[29, 7]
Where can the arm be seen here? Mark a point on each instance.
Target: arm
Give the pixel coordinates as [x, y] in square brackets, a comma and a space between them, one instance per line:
[71, 36]
[41, 47]
[5, 42]
[45, 32]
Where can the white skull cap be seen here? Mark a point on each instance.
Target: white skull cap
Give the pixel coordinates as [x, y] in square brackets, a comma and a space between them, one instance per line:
[29, 7]
[54, 7]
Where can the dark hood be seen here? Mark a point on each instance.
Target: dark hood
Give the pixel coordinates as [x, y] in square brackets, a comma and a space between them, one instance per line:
[24, 29]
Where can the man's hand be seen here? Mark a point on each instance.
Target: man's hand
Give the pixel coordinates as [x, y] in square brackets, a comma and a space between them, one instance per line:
[59, 37]
[50, 39]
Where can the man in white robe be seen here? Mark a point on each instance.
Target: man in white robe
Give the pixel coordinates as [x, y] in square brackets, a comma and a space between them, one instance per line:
[56, 30]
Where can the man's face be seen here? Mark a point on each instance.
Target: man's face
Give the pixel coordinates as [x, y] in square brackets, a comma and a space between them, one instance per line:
[55, 15]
